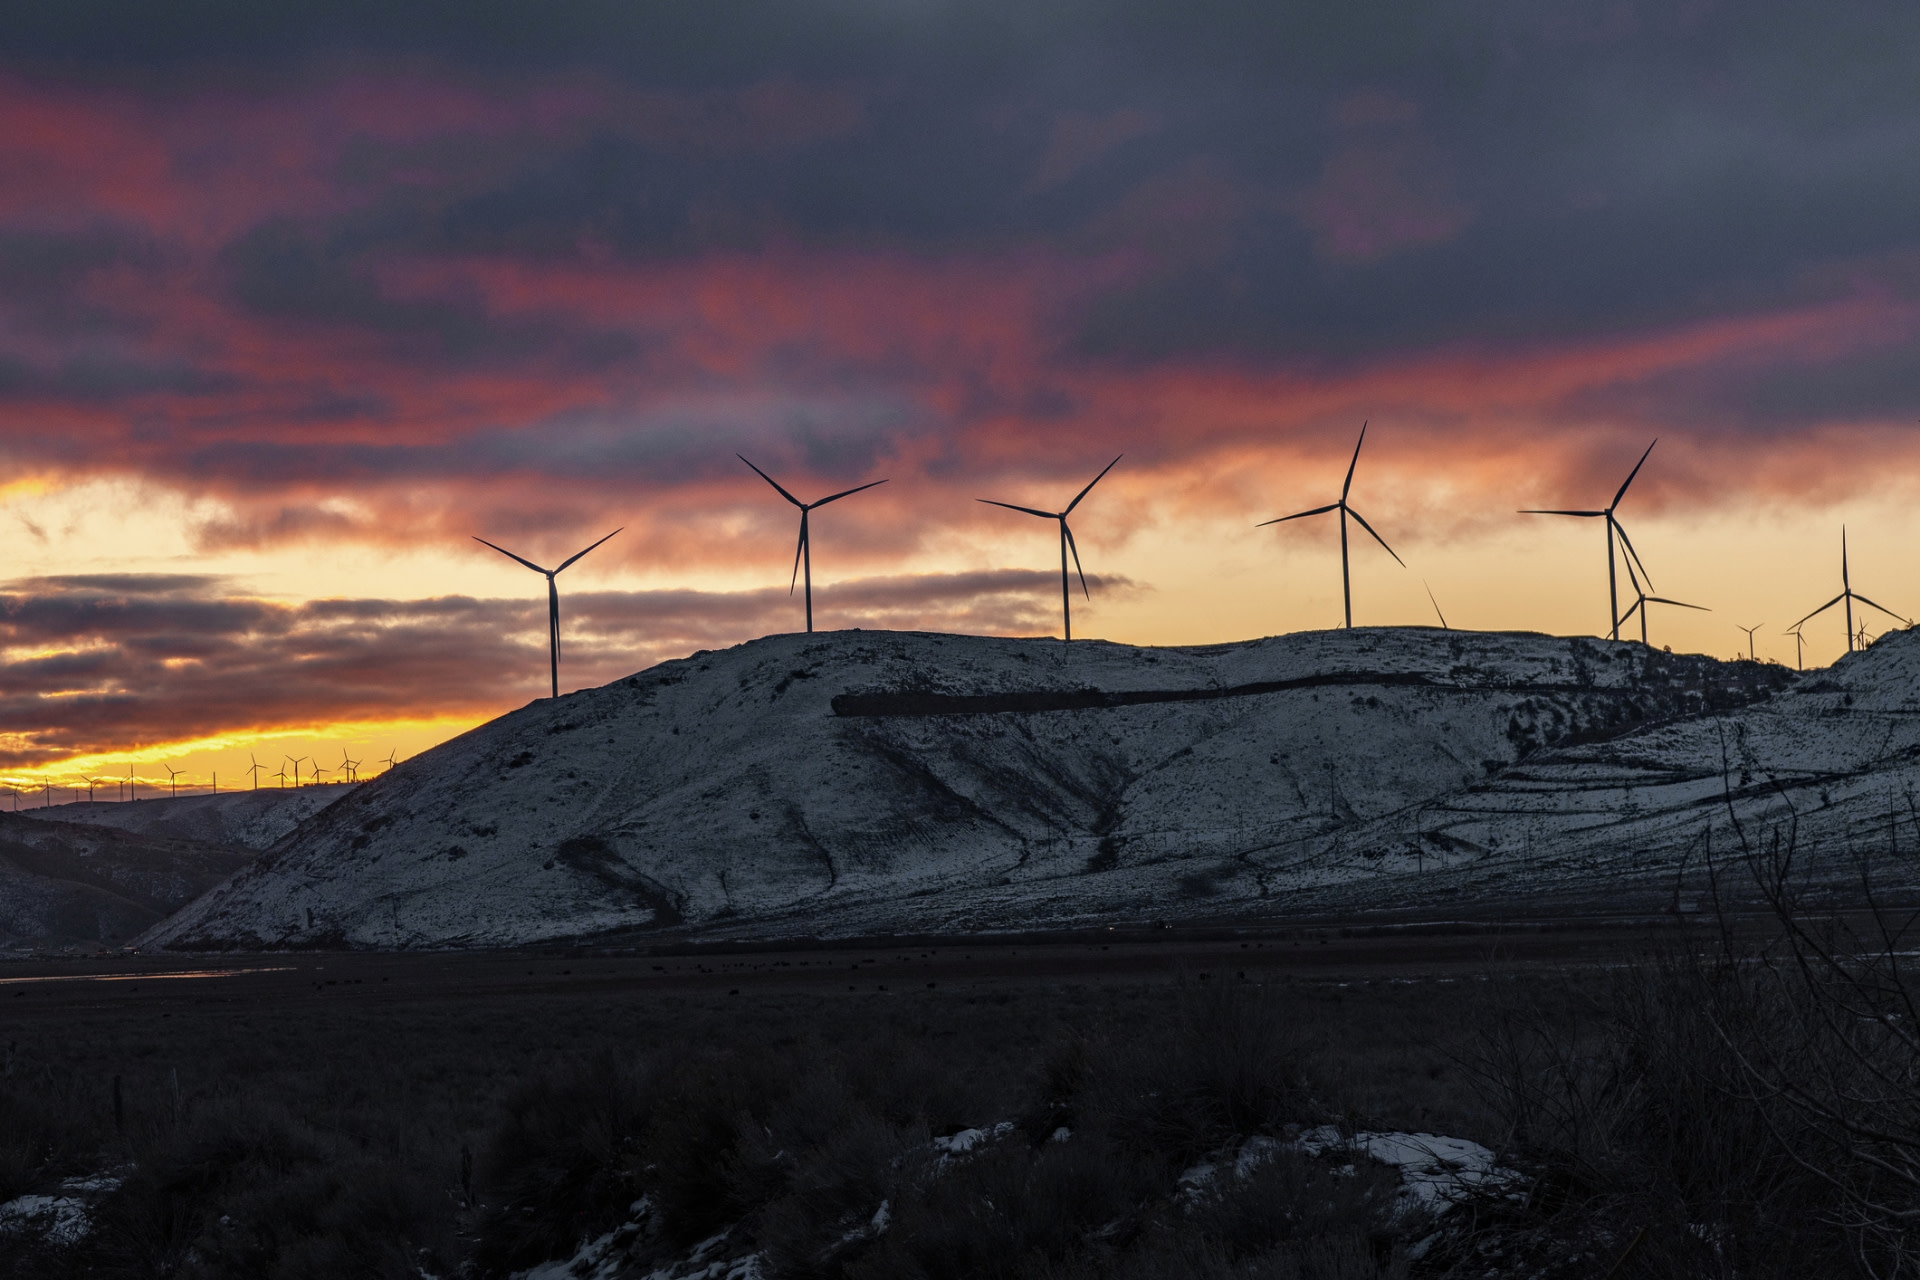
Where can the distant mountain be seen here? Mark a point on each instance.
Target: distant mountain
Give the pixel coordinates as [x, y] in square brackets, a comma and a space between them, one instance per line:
[246, 819]
[868, 782]
[67, 886]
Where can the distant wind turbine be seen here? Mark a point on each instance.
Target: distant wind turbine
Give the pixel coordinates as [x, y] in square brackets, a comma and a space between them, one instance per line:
[1346, 579]
[255, 770]
[296, 768]
[173, 779]
[389, 761]
[1614, 526]
[1750, 631]
[1799, 649]
[317, 771]
[553, 599]
[803, 553]
[350, 767]
[282, 775]
[1849, 595]
[1066, 544]
[1642, 600]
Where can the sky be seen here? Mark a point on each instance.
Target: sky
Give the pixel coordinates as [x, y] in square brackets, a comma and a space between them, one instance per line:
[294, 305]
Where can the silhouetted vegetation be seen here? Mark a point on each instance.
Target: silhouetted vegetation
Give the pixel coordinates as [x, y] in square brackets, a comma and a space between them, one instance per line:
[1720, 1109]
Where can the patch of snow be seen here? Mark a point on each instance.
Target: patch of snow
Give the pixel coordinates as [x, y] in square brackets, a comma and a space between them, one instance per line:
[63, 1218]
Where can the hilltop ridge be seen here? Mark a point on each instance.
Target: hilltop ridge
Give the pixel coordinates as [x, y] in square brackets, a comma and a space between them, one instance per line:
[866, 782]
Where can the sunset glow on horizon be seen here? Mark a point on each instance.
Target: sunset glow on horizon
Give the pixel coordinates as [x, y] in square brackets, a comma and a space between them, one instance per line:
[287, 317]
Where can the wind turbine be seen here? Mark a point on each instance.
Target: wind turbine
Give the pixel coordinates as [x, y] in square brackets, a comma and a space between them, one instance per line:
[553, 599]
[350, 767]
[317, 771]
[1614, 526]
[1642, 600]
[1346, 580]
[1848, 594]
[1799, 649]
[296, 768]
[255, 770]
[282, 775]
[389, 761]
[803, 553]
[173, 779]
[1066, 543]
[1750, 631]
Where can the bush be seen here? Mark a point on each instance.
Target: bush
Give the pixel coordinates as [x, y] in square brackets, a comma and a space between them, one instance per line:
[564, 1164]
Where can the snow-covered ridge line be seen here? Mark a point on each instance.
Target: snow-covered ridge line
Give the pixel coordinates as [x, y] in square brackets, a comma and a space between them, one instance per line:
[733, 795]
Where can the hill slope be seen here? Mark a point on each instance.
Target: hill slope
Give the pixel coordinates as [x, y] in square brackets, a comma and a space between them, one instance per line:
[65, 885]
[876, 781]
[248, 819]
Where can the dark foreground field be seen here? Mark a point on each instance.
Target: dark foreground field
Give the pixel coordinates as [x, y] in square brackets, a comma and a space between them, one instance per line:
[328, 1115]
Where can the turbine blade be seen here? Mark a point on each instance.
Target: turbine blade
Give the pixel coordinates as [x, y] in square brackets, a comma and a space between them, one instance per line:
[1317, 511]
[1436, 606]
[770, 480]
[1680, 604]
[799, 549]
[1622, 530]
[1530, 511]
[576, 555]
[1638, 587]
[1822, 609]
[1844, 581]
[1345, 488]
[1044, 515]
[844, 493]
[1075, 548]
[509, 555]
[1096, 480]
[1632, 474]
[1376, 537]
[1882, 608]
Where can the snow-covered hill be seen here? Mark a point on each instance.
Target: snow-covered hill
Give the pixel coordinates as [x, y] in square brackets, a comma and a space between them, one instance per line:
[860, 782]
[249, 819]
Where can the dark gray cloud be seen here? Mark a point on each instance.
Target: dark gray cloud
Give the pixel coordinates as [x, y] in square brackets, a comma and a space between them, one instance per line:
[1302, 188]
[102, 663]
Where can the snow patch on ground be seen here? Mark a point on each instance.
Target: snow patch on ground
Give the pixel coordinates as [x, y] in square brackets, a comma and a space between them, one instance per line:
[61, 1219]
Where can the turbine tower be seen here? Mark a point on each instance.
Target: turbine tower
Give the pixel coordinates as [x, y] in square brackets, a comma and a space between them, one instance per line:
[1613, 526]
[1346, 580]
[1750, 631]
[1849, 595]
[803, 554]
[553, 599]
[1066, 544]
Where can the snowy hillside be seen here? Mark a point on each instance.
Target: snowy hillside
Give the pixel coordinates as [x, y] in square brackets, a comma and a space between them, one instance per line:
[249, 819]
[860, 782]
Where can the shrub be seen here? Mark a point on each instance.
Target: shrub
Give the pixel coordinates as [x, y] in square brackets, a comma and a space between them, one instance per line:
[564, 1163]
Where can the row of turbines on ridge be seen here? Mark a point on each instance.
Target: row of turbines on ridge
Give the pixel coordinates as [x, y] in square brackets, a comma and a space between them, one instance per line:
[1622, 554]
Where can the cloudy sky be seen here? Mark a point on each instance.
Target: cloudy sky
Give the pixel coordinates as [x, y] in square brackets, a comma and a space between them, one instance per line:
[292, 306]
